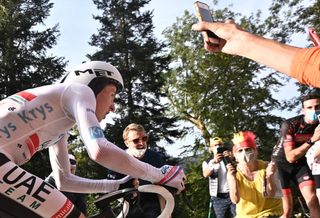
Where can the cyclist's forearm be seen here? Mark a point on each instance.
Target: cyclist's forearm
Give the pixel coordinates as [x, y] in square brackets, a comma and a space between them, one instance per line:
[112, 157]
[72, 183]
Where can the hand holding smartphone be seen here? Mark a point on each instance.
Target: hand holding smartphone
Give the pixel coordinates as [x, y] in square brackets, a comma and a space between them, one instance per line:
[314, 37]
[204, 14]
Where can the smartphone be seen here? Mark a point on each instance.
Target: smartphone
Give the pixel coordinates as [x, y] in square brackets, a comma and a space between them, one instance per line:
[204, 14]
[314, 37]
[318, 115]
[220, 150]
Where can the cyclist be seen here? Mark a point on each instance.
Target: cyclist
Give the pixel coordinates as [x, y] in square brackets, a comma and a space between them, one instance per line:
[40, 118]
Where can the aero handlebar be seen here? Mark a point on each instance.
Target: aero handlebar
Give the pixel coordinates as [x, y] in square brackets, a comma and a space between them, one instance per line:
[169, 206]
[104, 202]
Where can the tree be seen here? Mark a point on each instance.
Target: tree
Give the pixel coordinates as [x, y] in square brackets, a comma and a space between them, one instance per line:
[220, 94]
[126, 40]
[24, 62]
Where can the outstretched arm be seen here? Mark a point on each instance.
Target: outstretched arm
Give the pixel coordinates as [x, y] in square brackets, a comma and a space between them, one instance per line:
[302, 64]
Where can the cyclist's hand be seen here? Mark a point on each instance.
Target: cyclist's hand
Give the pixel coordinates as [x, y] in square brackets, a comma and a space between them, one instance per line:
[135, 182]
[173, 176]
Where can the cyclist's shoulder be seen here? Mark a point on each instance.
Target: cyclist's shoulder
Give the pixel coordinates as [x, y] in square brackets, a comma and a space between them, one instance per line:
[46, 90]
[291, 124]
[297, 120]
[78, 91]
[63, 86]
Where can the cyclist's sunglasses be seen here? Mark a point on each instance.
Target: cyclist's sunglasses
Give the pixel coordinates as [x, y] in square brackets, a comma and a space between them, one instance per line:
[73, 162]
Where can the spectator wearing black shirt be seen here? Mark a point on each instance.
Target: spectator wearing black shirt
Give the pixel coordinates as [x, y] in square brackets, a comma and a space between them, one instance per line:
[136, 139]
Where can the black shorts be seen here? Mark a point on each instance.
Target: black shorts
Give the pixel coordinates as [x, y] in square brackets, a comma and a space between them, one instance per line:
[297, 173]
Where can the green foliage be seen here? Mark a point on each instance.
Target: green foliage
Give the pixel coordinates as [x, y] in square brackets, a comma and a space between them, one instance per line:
[220, 94]
[23, 59]
[126, 40]
[197, 192]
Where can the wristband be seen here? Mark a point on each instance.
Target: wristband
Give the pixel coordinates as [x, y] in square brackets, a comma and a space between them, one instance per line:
[309, 142]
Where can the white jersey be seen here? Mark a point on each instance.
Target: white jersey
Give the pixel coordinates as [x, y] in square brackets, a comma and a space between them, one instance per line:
[39, 118]
[314, 162]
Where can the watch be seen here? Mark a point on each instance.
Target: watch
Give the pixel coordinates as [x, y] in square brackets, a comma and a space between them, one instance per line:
[310, 142]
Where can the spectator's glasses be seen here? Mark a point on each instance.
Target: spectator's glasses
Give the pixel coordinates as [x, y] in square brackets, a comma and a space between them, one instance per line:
[137, 140]
[73, 162]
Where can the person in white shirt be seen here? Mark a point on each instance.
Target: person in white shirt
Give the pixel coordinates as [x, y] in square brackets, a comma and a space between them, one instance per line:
[313, 159]
[215, 169]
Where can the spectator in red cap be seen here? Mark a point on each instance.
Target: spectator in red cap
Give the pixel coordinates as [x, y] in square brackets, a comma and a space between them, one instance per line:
[252, 182]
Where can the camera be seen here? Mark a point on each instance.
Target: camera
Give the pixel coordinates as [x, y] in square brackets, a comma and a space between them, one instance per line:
[220, 150]
[226, 160]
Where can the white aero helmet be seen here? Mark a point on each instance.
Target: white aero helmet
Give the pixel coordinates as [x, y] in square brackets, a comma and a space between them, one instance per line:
[95, 74]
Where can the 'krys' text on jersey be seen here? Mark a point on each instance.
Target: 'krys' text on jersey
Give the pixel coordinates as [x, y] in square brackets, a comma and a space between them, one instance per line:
[36, 113]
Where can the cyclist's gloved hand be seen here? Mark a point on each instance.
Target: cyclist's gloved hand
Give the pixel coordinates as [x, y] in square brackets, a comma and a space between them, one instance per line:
[173, 176]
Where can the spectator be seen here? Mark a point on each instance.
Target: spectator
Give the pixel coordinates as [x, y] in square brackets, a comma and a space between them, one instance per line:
[135, 138]
[215, 169]
[301, 64]
[78, 199]
[313, 158]
[252, 183]
[298, 134]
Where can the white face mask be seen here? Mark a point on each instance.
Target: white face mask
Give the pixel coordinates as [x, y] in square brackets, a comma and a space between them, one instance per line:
[137, 153]
[246, 156]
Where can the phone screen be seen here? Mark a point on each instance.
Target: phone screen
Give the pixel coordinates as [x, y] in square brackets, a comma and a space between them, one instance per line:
[206, 15]
[318, 114]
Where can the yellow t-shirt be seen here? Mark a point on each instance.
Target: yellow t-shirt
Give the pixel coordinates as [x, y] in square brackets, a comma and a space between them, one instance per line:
[252, 202]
